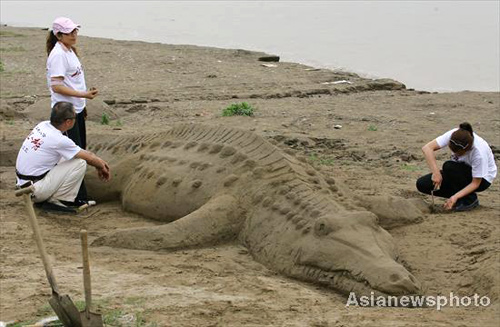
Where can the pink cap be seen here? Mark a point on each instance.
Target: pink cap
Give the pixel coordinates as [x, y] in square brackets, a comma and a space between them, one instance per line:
[63, 25]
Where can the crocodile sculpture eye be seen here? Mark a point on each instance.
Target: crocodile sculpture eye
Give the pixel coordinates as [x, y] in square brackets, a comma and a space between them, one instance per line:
[322, 227]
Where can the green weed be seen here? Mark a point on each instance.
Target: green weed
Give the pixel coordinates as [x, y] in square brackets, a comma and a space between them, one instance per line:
[112, 317]
[105, 119]
[140, 321]
[372, 128]
[2, 68]
[44, 310]
[239, 109]
[313, 158]
[408, 167]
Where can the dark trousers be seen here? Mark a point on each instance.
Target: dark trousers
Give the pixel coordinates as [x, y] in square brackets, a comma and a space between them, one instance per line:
[456, 176]
[79, 135]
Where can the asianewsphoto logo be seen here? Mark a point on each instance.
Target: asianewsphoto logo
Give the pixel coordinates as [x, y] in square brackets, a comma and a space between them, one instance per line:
[413, 301]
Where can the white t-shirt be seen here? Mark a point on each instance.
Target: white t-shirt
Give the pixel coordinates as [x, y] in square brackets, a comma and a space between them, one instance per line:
[64, 63]
[480, 157]
[44, 147]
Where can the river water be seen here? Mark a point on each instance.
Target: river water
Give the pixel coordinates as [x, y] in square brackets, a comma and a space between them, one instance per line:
[428, 45]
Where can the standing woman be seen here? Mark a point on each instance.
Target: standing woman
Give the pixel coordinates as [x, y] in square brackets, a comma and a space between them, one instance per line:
[66, 80]
[471, 169]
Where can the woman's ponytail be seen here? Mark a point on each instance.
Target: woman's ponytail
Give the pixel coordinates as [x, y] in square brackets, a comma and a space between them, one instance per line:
[466, 126]
[51, 42]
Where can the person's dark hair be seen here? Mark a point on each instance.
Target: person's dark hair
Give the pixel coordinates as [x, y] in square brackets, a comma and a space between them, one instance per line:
[51, 42]
[60, 112]
[462, 139]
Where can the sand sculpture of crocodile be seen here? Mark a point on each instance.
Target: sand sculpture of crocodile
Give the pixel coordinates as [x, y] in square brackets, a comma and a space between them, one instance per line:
[213, 184]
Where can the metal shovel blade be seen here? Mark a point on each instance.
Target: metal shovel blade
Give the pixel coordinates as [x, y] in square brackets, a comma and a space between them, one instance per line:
[65, 310]
[90, 319]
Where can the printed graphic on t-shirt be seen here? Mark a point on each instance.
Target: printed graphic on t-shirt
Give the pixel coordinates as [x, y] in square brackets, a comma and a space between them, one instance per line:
[78, 72]
[35, 142]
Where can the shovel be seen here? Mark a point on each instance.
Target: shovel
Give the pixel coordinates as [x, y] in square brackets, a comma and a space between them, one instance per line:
[89, 319]
[62, 305]
[433, 208]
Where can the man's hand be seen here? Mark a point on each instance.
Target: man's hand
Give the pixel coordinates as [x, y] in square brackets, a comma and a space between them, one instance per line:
[102, 166]
[104, 173]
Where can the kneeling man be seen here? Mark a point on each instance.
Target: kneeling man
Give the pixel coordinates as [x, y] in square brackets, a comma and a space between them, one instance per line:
[53, 163]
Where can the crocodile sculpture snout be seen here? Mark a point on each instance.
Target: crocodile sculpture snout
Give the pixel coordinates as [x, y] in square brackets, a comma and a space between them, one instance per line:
[354, 254]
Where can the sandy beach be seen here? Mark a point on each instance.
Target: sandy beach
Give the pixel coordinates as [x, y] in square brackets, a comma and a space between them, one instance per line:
[365, 133]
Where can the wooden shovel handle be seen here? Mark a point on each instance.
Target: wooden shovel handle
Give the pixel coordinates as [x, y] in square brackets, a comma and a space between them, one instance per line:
[38, 238]
[86, 270]
[25, 190]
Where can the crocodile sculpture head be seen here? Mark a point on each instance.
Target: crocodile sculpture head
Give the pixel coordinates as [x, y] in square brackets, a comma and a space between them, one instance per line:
[323, 243]
[352, 253]
[216, 183]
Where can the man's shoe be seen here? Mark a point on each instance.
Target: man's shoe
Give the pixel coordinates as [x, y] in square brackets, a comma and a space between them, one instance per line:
[462, 206]
[78, 203]
[55, 207]
[74, 204]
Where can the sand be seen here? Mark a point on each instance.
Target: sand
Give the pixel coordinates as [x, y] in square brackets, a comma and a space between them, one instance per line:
[148, 87]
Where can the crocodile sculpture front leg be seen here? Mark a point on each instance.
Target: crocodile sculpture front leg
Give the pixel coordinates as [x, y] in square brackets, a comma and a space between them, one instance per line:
[216, 221]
